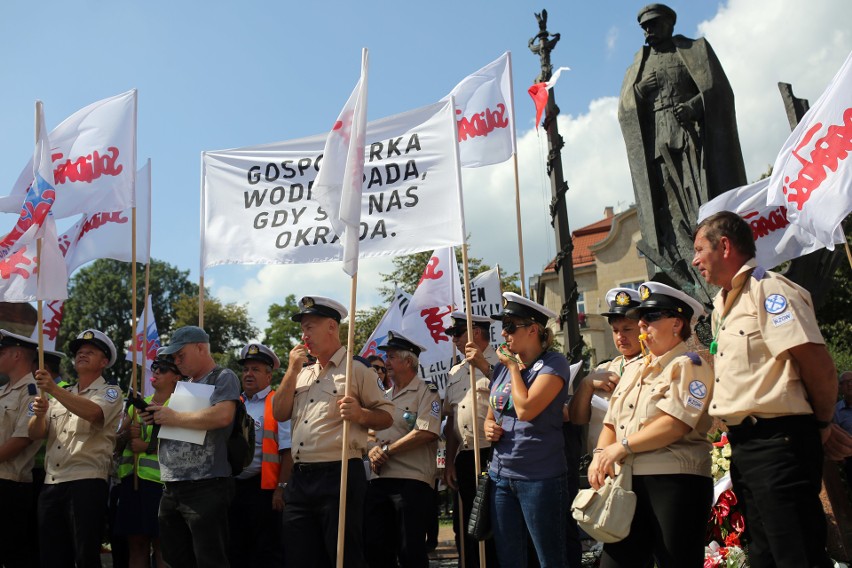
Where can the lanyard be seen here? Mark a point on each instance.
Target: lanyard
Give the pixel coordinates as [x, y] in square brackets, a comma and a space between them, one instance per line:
[714, 345]
[621, 367]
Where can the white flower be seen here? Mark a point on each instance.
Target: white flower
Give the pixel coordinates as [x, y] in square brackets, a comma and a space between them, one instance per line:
[726, 451]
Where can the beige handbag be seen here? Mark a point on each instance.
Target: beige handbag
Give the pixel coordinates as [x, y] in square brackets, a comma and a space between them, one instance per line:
[606, 513]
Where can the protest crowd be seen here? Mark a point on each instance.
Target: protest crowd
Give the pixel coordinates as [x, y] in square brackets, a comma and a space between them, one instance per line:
[162, 469]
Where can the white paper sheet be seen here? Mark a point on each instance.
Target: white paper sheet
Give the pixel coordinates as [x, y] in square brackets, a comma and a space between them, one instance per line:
[188, 397]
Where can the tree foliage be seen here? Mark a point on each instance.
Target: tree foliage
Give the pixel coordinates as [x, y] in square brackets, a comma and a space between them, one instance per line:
[835, 318]
[283, 333]
[99, 297]
[228, 325]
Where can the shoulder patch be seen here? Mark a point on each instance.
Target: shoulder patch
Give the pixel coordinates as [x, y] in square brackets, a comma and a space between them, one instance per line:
[381, 385]
[758, 273]
[31, 408]
[775, 303]
[432, 387]
[538, 365]
[698, 389]
[436, 409]
[694, 357]
[111, 394]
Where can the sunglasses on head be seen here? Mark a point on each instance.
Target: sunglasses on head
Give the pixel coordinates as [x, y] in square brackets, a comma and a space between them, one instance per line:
[512, 326]
[651, 317]
[381, 368]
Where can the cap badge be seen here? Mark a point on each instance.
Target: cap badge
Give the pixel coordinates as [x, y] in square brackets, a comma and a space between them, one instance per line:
[253, 350]
[390, 336]
[644, 292]
[88, 335]
[505, 302]
[622, 299]
[308, 302]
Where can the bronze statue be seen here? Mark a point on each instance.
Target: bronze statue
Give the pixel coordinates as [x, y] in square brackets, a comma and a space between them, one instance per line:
[677, 117]
[542, 48]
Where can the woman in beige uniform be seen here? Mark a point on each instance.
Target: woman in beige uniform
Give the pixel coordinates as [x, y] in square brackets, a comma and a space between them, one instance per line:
[659, 417]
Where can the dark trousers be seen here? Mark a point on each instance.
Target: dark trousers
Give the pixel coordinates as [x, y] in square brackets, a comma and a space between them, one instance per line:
[776, 468]
[396, 518]
[466, 479]
[194, 522]
[17, 543]
[255, 526]
[71, 519]
[669, 524]
[311, 513]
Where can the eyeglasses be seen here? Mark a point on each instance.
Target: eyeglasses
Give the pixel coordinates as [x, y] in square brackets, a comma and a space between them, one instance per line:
[651, 317]
[379, 368]
[511, 326]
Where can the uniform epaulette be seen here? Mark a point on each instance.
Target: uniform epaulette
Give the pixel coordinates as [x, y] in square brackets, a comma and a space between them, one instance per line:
[758, 273]
[432, 387]
[693, 356]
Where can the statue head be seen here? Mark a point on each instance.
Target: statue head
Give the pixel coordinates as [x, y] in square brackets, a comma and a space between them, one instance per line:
[658, 21]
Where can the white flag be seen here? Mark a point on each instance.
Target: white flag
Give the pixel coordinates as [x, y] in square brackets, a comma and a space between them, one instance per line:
[93, 154]
[812, 175]
[485, 114]
[110, 234]
[52, 312]
[23, 279]
[145, 358]
[438, 294]
[392, 320]
[777, 239]
[337, 186]
[258, 205]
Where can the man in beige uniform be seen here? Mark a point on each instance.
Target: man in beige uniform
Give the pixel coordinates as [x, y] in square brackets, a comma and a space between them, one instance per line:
[403, 461]
[312, 395]
[17, 452]
[79, 424]
[775, 389]
[462, 418]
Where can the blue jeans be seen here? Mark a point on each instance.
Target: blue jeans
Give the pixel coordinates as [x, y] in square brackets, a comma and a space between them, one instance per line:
[540, 507]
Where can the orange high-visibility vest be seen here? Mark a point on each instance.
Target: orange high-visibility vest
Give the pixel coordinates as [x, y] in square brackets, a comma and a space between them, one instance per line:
[270, 465]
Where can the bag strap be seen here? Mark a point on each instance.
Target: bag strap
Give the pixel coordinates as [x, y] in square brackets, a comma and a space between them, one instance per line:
[624, 479]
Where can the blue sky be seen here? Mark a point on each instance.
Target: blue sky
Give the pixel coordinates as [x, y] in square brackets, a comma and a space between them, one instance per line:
[219, 75]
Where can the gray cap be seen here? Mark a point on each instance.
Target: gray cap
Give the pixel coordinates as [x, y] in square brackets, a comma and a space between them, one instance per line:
[652, 11]
[182, 337]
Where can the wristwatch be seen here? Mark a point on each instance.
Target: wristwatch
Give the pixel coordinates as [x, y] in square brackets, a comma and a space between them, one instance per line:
[385, 449]
[626, 445]
[282, 485]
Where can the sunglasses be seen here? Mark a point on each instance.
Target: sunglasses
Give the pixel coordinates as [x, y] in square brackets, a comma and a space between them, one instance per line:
[512, 327]
[455, 331]
[379, 368]
[159, 367]
[651, 317]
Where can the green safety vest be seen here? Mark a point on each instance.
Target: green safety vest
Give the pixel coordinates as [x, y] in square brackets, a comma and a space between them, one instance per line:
[147, 466]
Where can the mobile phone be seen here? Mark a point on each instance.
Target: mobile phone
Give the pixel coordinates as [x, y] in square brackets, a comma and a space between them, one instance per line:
[136, 400]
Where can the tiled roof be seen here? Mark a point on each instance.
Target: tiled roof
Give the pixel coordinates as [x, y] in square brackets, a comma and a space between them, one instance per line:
[584, 237]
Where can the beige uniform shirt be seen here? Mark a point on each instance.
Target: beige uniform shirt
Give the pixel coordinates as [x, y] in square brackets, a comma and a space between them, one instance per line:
[15, 412]
[755, 374]
[676, 385]
[600, 400]
[76, 448]
[417, 406]
[458, 401]
[317, 428]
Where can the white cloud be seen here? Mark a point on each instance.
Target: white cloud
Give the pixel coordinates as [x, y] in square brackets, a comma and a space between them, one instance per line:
[611, 40]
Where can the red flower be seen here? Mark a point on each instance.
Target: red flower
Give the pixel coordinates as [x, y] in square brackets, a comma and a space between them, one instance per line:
[723, 441]
[737, 522]
[733, 539]
[728, 497]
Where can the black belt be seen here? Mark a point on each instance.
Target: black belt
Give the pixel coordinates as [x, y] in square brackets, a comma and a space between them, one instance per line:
[184, 482]
[755, 423]
[319, 466]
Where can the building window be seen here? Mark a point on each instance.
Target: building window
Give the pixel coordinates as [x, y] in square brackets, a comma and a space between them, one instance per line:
[632, 285]
[581, 309]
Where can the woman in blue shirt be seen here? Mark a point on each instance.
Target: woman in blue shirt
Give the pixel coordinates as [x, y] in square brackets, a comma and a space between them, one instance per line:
[528, 389]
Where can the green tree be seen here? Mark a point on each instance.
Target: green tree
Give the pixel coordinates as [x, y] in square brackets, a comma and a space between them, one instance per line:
[99, 297]
[835, 318]
[228, 325]
[283, 333]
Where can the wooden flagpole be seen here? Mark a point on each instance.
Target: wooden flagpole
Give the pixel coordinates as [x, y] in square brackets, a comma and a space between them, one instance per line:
[344, 451]
[201, 301]
[520, 232]
[476, 458]
[40, 310]
[848, 252]
[517, 182]
[133, 380]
